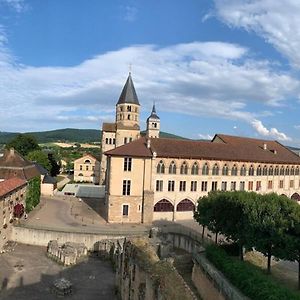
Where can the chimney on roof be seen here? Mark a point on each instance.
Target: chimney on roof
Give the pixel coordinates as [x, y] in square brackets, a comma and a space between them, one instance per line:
[265, 146]
[148, 143]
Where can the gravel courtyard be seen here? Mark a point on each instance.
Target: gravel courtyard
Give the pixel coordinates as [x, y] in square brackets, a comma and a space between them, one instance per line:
[27, 273]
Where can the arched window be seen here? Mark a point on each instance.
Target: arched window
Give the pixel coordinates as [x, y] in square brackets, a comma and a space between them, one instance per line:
[160, 169]
[172, 168]
[287, 171]
[184, 168]
[80, 174]
[276, 171]
[243, 170]
[195, 169]
[225, 170]
[185, 205]
[292, 171]
[271, 171]
[128, 108]
[205, 169]
[282, 170]
[234, 170]
[163, 205]
[251, 171]
[297, 171]
[296, 197]
[258, 171]
[106, 141]
[110, 141]
[215, 170]
[265, 171]
[87, 161]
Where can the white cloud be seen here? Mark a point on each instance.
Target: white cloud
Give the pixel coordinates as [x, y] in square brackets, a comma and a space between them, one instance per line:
[130, 13]
[270, 133]
[277, 22]
[17, 5]
[205, 136]
[215, 79]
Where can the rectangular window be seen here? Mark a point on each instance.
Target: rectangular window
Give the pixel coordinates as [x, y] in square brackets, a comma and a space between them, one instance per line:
[250, 185]
[182, 185]
[291, 183]
[242, 185]
[125, 140]
[204, 186]
[126, 187]
[233, 186]
[270, 184]
[159, 185]
[193, 186]
[125, 210]
[224, 186]
[127, 163]
[93, 168]
[281, 184]
[214, 185]
[258, 185]
[86, 168]
[80, 168]
[171, 186]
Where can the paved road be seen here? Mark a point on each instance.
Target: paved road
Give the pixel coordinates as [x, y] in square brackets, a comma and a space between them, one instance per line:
[68, 213]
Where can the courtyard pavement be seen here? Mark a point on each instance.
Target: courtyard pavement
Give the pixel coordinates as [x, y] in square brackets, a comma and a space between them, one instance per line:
[27, 273]
[71, 214]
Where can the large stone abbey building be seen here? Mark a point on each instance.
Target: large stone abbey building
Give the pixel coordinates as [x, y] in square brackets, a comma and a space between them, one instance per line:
[150, 178]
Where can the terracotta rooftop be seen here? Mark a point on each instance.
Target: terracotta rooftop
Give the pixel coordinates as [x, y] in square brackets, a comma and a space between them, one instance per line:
[222, 147]
[12, 164]
[9, 185]
[109, 127]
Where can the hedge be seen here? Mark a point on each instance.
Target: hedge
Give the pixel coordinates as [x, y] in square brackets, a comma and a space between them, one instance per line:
[33, 193]
[249, 279]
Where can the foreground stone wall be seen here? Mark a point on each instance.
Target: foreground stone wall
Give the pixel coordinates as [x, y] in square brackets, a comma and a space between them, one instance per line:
[41, 237]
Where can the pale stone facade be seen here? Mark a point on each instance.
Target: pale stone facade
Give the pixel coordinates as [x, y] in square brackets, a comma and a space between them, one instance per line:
[87, 169]
[169, 187]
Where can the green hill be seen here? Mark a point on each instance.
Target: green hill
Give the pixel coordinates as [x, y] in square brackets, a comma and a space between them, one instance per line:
[68, 135]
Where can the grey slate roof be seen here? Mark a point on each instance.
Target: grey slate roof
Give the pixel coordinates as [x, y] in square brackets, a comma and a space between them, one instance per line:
[128, 94]
[153, 114]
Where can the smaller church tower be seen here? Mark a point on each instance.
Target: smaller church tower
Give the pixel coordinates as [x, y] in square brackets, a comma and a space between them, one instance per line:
[153, 124]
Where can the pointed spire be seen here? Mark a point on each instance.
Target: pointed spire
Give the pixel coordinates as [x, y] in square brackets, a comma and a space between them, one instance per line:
[153, 113]
[128, 94]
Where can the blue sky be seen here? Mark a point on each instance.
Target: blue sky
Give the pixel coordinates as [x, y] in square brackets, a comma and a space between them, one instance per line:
[222, 66]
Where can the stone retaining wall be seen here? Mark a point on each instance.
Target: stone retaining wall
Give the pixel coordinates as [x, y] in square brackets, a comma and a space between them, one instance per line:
[41, 237]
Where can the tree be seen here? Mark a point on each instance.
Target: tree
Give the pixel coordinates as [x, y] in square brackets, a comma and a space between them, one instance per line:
[23, 143]
[55, 167]
[268, 225]
[40, 157]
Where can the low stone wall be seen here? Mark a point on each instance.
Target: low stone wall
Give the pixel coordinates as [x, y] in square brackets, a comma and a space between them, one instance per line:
[41, 237]
[211, 284]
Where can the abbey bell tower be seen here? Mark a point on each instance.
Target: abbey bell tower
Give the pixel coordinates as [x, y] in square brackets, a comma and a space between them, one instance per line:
[126, 127]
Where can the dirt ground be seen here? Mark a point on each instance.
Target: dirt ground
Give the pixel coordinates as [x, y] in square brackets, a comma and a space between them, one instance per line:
[27, 273]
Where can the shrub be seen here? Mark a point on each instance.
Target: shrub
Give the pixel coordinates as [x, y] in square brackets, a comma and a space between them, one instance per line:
[249, 279]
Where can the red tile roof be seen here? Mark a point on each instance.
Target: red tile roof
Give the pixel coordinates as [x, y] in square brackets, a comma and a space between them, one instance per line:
[10, 185]
[12, 164]
[222, 147]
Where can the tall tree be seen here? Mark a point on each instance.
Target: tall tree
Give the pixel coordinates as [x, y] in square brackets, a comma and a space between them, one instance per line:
[23, 143]
[55, 166]
[40, 157]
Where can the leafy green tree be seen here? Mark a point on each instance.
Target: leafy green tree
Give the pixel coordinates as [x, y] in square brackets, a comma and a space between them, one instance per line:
[23, 143]
[40, 157]
[55, 167]
[268, 225]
